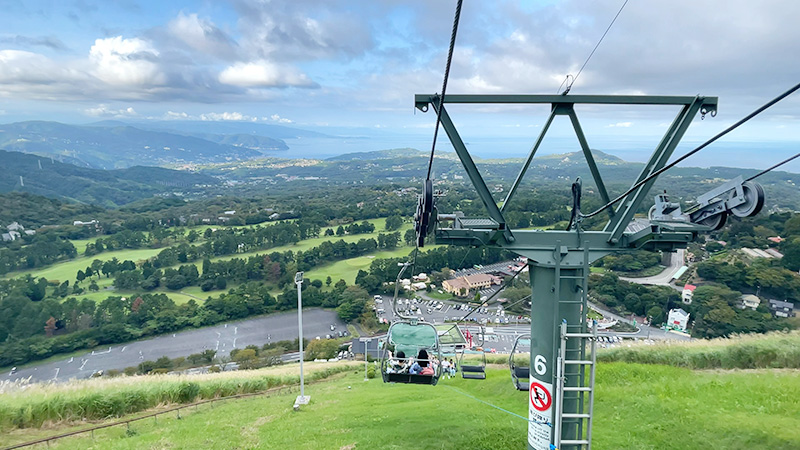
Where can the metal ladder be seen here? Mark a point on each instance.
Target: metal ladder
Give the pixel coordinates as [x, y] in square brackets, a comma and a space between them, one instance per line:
[583, 392]
[571, 365]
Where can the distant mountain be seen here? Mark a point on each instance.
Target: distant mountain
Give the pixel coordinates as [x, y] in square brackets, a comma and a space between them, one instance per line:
[47, 177]
[195, 127]
[116, 147]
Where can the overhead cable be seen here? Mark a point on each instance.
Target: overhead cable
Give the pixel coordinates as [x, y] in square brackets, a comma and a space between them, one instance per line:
[697, 149]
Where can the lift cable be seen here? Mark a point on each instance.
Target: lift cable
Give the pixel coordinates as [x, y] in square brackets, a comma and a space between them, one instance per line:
[773, 167]
[456, 20]
[451, 49]
[539, 422]
[575, 78]
[697, 149]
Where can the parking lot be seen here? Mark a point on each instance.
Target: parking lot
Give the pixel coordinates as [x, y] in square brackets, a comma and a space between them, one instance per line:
[441, 311]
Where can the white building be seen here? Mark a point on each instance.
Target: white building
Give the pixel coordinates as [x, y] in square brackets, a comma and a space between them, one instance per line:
[750, 301]
[688, 292]
[678, 319]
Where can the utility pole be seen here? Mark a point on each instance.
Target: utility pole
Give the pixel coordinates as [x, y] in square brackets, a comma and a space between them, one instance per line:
[302, 399]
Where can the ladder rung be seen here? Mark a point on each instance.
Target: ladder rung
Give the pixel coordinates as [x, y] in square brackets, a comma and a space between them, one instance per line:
[574, 442]
[577, 389]
[579, 335]
[567, 302]
[575, 416]
[583, 362]
[571, 277]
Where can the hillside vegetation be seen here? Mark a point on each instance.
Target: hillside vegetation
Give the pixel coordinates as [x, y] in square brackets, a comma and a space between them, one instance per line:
[637, 407]
[110, 188]
[747, 351]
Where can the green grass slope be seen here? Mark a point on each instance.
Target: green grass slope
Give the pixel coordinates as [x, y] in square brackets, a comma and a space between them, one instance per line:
[637, 407]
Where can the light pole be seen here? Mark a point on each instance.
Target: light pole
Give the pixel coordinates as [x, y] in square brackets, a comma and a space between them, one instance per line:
[302, 399]
[366, 342]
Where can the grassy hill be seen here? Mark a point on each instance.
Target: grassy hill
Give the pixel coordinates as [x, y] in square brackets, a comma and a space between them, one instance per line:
[637, 407]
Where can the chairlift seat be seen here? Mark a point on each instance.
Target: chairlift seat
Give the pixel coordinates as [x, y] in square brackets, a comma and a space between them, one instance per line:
[409, 378]
[473, 375]
[472, 369]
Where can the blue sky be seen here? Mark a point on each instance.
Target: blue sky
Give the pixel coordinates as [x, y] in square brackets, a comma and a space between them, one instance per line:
[356, 64]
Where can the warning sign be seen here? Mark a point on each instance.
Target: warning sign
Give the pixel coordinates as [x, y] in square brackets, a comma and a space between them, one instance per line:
[540, 397]
[540, 428]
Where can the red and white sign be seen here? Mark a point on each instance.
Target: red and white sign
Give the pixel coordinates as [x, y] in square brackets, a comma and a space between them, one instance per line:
[540, 397]
[540, 429]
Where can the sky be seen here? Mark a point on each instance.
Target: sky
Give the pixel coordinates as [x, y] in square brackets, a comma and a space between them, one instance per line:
[353, 66]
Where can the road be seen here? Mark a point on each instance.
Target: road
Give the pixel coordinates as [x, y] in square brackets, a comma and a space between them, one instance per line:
[222, 338]
[665, 277]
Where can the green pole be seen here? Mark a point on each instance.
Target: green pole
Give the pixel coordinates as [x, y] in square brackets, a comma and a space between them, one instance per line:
[555, 298]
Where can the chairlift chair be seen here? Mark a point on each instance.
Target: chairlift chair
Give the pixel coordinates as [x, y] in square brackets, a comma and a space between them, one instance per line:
[473, 371]
[409, 335]
[520, 375]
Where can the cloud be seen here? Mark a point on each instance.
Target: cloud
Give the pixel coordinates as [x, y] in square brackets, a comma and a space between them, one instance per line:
[232, 116]
[277, 118]
[31, 75]
[50, 42]
[291, 31]
[261, 74]
[203, 36]
[172, 115]
[105, 111]
[126, 62]
[620, 125]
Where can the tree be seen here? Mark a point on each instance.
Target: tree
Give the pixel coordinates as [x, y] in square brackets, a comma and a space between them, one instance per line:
[93, 286]
[81, 276]
[656, 314]
[394, 223]
[246, 358]
[50, 326]
[322, 349]
[328, 281]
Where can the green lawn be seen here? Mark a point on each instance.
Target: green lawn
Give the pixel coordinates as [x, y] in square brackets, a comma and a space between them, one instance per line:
[347, 269]
[68, 269]
[637, 407]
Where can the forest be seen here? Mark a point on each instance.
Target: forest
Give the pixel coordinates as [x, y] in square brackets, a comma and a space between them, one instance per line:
[194, 246]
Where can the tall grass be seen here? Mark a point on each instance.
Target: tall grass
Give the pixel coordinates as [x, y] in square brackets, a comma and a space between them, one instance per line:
[748, 351]
[102, 399]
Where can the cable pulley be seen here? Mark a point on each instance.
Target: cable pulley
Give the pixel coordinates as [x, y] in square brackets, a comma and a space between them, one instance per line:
[423, 223]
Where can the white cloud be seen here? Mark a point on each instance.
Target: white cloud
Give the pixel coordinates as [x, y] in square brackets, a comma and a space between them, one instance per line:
[620, 125]
[104, 111]
[277, 118]
[263, 74]
[126, 62]
[172, 115]
[234, 116]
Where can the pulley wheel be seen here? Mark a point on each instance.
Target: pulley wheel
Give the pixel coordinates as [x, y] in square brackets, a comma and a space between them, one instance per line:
[652, 212]
[715, 222]
[753, 200]
[423, 216]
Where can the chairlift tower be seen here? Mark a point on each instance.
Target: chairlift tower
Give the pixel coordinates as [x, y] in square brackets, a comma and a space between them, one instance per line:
[561, 372]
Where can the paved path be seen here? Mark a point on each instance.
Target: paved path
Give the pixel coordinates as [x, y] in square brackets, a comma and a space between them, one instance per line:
[222, 338]
[665, 277]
